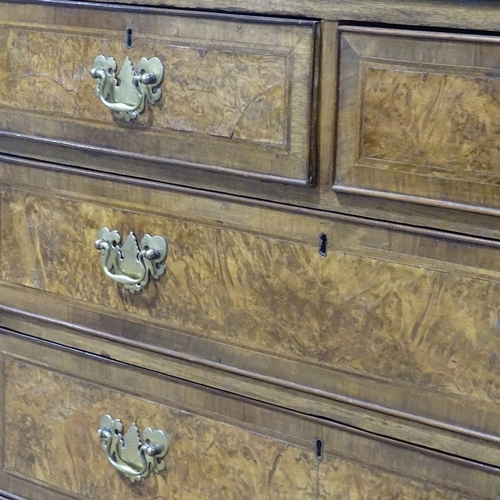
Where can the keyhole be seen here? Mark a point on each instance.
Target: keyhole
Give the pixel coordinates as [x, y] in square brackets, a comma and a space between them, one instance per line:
[323, 244]
[318, 445]
[128, 38]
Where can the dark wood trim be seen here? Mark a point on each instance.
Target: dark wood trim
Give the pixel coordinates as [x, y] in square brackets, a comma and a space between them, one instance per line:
[149, 9]
[313, 161]
[98, 151]
[463, 207]
[456, 14]
[2, 412]
[427, 33]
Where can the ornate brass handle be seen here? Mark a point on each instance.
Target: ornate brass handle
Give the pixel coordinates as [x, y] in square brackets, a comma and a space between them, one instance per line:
[128, 264]
[136, 87]
[130, 454]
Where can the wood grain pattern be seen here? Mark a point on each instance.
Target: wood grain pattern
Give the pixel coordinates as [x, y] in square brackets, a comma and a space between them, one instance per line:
[226, 96]
[233, 286]
[206, 91]
[399, 327]
[433, 330]
[264, 170]
[443, 121]
[210, 456]
[425, 121]
[52, 422]
[336, 480]
[405, 325]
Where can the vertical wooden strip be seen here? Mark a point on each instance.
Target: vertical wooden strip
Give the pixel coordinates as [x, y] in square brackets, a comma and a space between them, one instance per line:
[327, 102]
[2, 410]
[2, 248]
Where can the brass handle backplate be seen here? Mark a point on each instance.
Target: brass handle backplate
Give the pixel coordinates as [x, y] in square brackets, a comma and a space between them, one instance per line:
[128, 264]
[130, 454]
[136, 87]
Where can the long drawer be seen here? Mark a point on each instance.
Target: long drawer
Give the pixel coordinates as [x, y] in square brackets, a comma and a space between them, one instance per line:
[399, 322]
[235, 95]
[219, 446]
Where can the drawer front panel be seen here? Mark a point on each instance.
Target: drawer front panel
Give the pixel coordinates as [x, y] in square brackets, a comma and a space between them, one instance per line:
[419, 116]
[385, 314]
[235, 95]
[57, 416]
[220, 446]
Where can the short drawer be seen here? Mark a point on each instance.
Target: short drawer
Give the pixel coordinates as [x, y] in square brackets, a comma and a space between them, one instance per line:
[398, 321]
[237, 93]
[219, 446]
[419, 117]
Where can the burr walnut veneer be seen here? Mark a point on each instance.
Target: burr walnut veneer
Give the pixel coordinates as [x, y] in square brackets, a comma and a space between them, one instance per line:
[236, 93]
[323, 321]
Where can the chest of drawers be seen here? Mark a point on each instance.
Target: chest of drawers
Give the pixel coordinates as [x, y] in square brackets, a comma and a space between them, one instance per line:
[284, 258]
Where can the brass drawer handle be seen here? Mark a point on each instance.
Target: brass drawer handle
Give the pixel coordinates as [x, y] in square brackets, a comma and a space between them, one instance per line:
[128, 453]
[135, 88]
[128, 264]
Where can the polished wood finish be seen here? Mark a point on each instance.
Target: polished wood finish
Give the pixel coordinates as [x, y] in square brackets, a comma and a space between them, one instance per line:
[418, 116]
[221, 446]
[209, 362]
[273, 135]
[236, 94]
[389, 312]
[196, 157]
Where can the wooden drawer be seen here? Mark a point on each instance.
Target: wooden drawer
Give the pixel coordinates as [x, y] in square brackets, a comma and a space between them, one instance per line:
[237, 92]
[402, 323]
[419, 117]
[220, 446]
